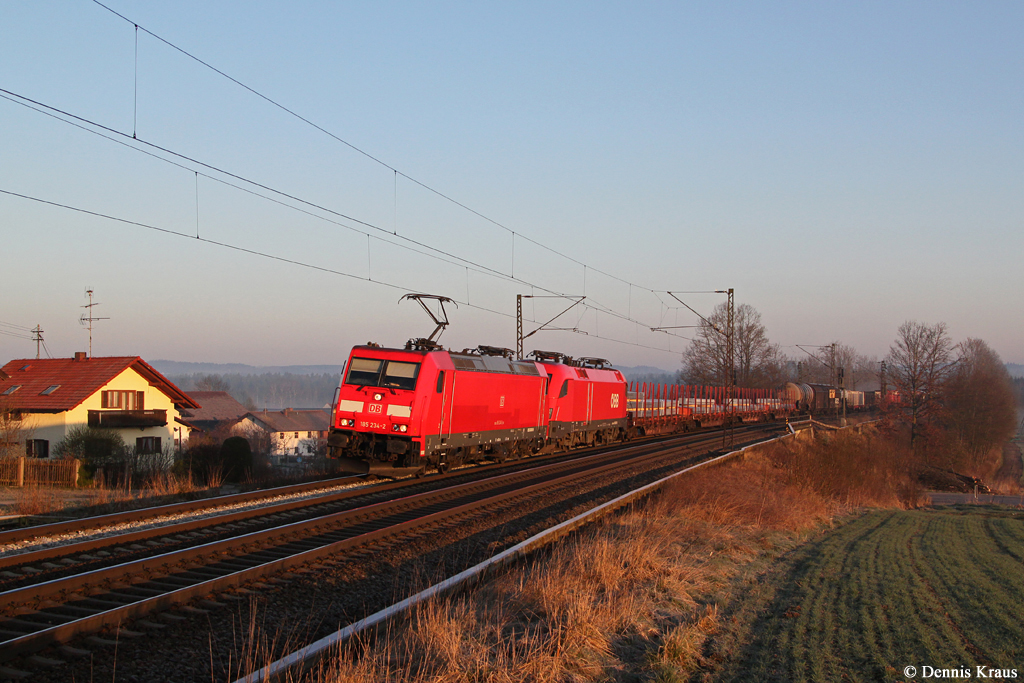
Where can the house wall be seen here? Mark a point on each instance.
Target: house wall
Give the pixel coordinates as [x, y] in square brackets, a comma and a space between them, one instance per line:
[53, 427]
[284, 443]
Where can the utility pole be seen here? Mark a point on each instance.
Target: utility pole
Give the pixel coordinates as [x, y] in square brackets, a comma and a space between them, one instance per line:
[835, 382]
[88, 318]
[38, 339]
[520, 337]
[519, 326]
[842, 393]
[730, 351]
[881, 385]
[728, 372]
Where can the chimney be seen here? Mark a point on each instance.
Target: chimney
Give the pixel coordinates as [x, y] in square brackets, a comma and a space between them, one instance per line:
[287, 411]
[80, 355]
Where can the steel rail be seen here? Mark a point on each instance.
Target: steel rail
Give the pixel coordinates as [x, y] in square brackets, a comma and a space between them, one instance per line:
[304, 659]
[98, 521]
[159, 572]
[212, 522]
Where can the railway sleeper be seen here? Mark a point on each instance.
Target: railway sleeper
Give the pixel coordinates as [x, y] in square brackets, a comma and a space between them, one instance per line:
[71, 611]
[100, 605]
[151, 625]
[46, 662]
[13, 674]
[75, 652]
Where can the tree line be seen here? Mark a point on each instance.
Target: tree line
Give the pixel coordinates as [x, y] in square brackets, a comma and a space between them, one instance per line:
[956, 401]
[269, 390]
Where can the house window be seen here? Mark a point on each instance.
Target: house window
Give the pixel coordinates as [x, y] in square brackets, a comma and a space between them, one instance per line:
[296, 435]
[123, 400]
[49, 390]
[147, 445]
[37, 448]
[11, 390]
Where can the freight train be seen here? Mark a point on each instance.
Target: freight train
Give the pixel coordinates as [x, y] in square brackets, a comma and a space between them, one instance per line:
[403, 411]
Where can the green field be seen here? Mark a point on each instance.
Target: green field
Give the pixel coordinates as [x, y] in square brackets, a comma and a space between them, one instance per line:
[942, 588]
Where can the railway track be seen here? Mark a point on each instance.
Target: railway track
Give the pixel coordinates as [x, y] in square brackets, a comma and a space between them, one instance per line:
[55, 611]
[59, 553]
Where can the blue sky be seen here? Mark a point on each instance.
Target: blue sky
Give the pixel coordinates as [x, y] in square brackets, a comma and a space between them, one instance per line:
[844, 167]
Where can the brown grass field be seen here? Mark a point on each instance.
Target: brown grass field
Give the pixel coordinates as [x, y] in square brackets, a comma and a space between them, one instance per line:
[764, 569]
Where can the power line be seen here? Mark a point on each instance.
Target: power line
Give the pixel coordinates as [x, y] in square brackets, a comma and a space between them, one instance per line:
[357, 149]
[282, 259]
[438, 254]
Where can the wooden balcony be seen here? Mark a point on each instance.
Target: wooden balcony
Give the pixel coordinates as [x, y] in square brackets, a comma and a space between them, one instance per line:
[117, 419]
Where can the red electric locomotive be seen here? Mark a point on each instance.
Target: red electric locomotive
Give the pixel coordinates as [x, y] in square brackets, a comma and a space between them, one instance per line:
[401, 410]
[586, 401]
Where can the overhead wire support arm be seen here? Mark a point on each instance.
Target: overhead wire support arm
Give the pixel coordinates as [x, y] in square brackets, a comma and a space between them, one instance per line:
[520, 337]
[690, 308]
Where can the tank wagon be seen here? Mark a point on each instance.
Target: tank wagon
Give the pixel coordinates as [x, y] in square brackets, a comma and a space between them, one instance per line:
[821, 398]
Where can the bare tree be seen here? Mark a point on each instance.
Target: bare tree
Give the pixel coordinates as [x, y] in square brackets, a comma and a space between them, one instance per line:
[758, 361]
[212, 383]
[820, 367]
[981, 404]
[14, 430]
[919, 363]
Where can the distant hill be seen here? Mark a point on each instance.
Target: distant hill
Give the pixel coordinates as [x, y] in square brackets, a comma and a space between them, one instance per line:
[1015, 369]
[175, 367]
[647, 373]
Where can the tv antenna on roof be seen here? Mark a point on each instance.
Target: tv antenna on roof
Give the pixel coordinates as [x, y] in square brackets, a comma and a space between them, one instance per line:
[88, 318]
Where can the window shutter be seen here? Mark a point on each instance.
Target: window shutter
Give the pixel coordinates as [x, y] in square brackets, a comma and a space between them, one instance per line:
[104, 399]
[140, 400]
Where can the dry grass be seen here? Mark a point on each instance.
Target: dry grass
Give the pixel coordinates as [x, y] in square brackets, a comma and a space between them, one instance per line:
[41, 500]
[637, 597]
[633, 599]
[36, 500]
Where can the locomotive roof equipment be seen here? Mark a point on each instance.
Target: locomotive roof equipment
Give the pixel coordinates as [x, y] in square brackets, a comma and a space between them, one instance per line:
[441, 320]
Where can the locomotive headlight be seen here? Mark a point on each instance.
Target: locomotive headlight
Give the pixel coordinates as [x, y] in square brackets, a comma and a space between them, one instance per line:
[377, 397]
[403, 428]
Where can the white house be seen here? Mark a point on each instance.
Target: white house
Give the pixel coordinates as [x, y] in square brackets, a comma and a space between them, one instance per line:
[124, 393]
[292, 432]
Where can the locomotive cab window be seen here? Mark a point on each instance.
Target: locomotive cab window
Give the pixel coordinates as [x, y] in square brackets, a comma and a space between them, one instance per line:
[440, 382]
[364, 372]
[371, 372]
[564, 391]
[401, 375]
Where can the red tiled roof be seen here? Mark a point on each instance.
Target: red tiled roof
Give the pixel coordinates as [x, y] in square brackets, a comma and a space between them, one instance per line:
[217, 406]
[77, 380]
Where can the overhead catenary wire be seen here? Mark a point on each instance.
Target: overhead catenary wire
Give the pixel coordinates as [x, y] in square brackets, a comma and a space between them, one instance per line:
[356, 148]
[282, 259]
[445, 256]
[83, 123]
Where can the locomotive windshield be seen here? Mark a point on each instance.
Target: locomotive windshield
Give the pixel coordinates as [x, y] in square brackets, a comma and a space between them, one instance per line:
[373, 372]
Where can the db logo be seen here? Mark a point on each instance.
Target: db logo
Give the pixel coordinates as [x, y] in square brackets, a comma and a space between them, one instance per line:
[615, 400]
[375, 408]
